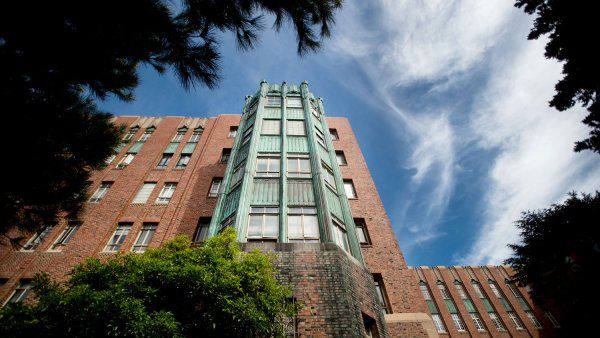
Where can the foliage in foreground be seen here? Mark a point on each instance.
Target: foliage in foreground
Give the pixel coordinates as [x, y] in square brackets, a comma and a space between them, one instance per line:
[571, 28]
[173, 291]
[559, 258]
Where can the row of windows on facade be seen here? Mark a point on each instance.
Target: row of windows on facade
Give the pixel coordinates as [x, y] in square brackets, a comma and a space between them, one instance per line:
[184, 158]
[142, 195]
[293, 128]
[473, 313]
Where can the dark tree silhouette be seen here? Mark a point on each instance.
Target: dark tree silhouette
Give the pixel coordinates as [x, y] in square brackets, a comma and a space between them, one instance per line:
[559, 258]
[571, 26]
[57, 57]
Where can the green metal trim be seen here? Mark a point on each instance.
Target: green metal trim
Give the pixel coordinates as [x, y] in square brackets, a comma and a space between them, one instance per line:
[135, 148]
[188, 148]
[171, 148]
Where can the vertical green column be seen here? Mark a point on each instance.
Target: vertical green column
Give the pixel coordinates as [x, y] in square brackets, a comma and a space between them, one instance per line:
[283, 168]
[315, 167]
[217, 213]
[248, 180]
[341, 192]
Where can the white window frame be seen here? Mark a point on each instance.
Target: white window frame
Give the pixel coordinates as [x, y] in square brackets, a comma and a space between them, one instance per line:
[438, 323]
[303, 213]
[101, 192]
[202, 230]
[294, 102]
[146, 135]
[536, 323]
[38, 238]
[334, 135]
[350, 190]
[425, 292]
[515, 320]
[341, 158]
[180, 134]
[458, 323]
[299, 159]
[196, 135]
[328, 176]
[271, 127]
[184, 160]
[164, 161]
[273, 165]
[237, 176]
[166, 193]
[479, 325]
[225, 155]
[144, 237]
[130, 134]
[296, 128]
[340, 235]
[461, 291]
[65, 236]
[126, 160]
[141, 197]
[232, 131]
[263, 212]
[109, 159]
[362, 232]
[20, 293]
[381, 292]
[444, 292]
[552, 319]
[273, 101]
[118, 237]
[215, 187]
[497, 322]
[320, 138]
[495, 290]
[478, 290]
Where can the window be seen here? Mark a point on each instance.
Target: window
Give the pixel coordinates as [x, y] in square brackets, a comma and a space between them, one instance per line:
[294, 102]
[320, 138]
[232, 131]
[146, 135]
[164, 161]
[202, 230]
[126, 160]
[461, 291]
[349, 188]
[270, 127]
[215, 187]
[513, 289]
[196, 134]
[109, 159]
[341, 158]
[339, 235]
[361, 231]
[65, 236]
[497, 322]
[298, 166]
[443, 291]
[296, 127]
[328, 177]
[531, 316]
[237, 176]
[334, 134]
[225, 154]
[21, 292]
[180, 134]
[247, 136]
[381, 294]
[302, 224]
[38, 238]
[166, 193]
[264, 223]
[130, 134]
[227, 222]
[118, 237]
[439, 324]
[370, 326]
[458, 323]
[274, 101]
[184, 159]
[144, 237]
[267, 166]
[477, 289]
[516, 321]
[100, 192]
[477, 321]
[144, 193]
[495, 290]
[425, 291]
[552, 319]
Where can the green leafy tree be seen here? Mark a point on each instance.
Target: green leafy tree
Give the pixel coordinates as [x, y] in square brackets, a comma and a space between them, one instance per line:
[559, 258]
[57, 57]
[216, 290]
[571, 27]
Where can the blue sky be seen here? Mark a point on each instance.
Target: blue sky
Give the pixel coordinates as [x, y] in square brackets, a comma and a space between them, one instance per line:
[449, 103]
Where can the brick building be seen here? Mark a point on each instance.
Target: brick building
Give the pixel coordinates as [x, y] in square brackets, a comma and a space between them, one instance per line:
[290, 181]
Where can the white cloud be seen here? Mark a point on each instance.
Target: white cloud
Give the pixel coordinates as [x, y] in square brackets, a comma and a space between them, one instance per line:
[536, 165]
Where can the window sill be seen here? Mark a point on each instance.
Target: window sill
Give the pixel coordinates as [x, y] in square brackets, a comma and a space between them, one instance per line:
[366, 245]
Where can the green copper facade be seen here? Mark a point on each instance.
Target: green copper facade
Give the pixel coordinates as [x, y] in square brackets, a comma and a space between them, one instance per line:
[283, 170]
